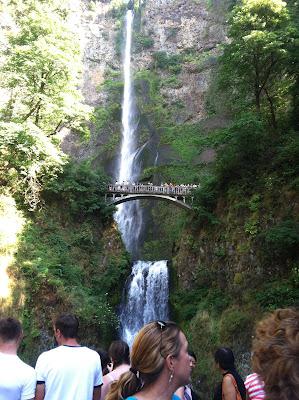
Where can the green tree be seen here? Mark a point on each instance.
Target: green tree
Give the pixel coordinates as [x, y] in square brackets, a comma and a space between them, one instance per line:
[81, 190]
[256, 62]
[28, 160]
[42, 68]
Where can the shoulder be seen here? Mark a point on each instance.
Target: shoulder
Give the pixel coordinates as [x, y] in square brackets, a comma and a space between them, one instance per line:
[48, 355]
[228, 381]
[50, 352]
[228, 378]
[175, 397]
[91, 354]
[89, 351]
[251, 377]
[25, 368]
[108, 378]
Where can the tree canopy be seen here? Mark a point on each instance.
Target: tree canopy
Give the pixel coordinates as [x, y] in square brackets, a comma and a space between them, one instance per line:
[257, 63]
[42, 70]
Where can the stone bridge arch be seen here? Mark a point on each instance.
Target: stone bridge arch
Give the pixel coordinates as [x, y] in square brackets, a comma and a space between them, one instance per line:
[130, 197]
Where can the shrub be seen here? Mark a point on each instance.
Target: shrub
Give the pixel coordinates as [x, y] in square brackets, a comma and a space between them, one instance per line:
[205, 198]
[170, 62]
[142, 42]
[81, 190]
[235, 329]
[279, 294]
[243, 151]
[282, 240]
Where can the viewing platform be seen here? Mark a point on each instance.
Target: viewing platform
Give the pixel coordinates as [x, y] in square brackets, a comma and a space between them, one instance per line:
[181, 195]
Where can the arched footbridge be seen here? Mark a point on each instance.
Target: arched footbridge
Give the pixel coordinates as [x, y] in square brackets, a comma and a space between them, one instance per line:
[179, 195]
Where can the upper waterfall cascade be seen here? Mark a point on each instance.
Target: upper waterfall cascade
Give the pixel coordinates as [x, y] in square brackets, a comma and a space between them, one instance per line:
[147, 289]
[129, 216]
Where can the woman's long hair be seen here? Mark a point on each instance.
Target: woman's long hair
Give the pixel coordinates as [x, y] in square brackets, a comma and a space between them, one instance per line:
[154, 342]
[226, 360]
[119, 353]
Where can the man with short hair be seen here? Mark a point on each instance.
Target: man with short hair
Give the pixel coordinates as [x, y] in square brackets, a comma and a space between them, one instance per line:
[70, 371]
[17, 379]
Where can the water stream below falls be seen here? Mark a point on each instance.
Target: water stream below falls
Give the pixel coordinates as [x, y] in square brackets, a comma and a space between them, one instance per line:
[145, 297]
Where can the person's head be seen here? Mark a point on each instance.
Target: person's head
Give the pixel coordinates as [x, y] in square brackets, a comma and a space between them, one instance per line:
[193, 359]
[119, 353]
[225, 359]
[276, 354]
[10, 330]
[160, 349]
[66, 326]
[105, 360]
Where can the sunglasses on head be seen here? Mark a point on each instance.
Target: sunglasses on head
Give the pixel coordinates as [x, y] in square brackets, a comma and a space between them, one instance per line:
[162, 325]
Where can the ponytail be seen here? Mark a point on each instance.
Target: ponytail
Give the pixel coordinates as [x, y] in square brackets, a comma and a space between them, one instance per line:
[127, 385]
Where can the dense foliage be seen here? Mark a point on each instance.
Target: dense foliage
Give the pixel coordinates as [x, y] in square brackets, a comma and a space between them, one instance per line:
[244, 238]
[52, 211]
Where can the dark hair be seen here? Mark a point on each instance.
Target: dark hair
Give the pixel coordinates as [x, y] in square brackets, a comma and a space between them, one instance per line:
[119, 353]
[68, 325]
[225, 358]
[275, 354]
[105, 360]
[192, 354]
[10, 329]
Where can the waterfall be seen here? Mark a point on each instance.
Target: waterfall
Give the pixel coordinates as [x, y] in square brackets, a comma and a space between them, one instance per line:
[129, 215]
[145, 297]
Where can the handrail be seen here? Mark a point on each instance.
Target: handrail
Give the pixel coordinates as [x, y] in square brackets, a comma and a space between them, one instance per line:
[172, 190]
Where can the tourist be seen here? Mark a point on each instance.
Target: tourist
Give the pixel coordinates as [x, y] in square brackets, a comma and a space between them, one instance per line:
[17, 379]
[276, 354]
[159, 365]
[186, 392]
[68, 372]
[119, 354]
[254, 387]
[232, 385]
[105, 362]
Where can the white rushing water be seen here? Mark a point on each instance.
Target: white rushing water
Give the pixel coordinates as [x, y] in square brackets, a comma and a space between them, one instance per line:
[146, 295]
[146, 299]
[129, 215]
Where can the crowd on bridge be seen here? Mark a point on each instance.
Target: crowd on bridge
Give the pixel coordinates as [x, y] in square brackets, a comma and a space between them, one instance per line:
[162, 184]
[163, 188]
[158, 367]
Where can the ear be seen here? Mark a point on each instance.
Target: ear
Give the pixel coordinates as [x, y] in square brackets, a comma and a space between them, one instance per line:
[57, 332]
[170, 362]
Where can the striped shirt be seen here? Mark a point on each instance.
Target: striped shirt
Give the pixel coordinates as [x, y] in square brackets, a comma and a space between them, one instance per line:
[255, 387]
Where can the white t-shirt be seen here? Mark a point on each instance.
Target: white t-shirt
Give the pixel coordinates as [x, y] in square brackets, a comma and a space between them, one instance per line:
[69, 372]
[17, 379]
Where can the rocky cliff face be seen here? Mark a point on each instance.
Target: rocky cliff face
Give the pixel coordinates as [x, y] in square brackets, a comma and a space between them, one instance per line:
[188, 32]
[178, 28]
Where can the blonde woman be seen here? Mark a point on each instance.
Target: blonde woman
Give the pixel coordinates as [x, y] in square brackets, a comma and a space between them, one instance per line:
[160, 364]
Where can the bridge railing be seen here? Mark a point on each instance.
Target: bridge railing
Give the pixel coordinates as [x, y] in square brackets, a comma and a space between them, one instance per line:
[172, 190]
